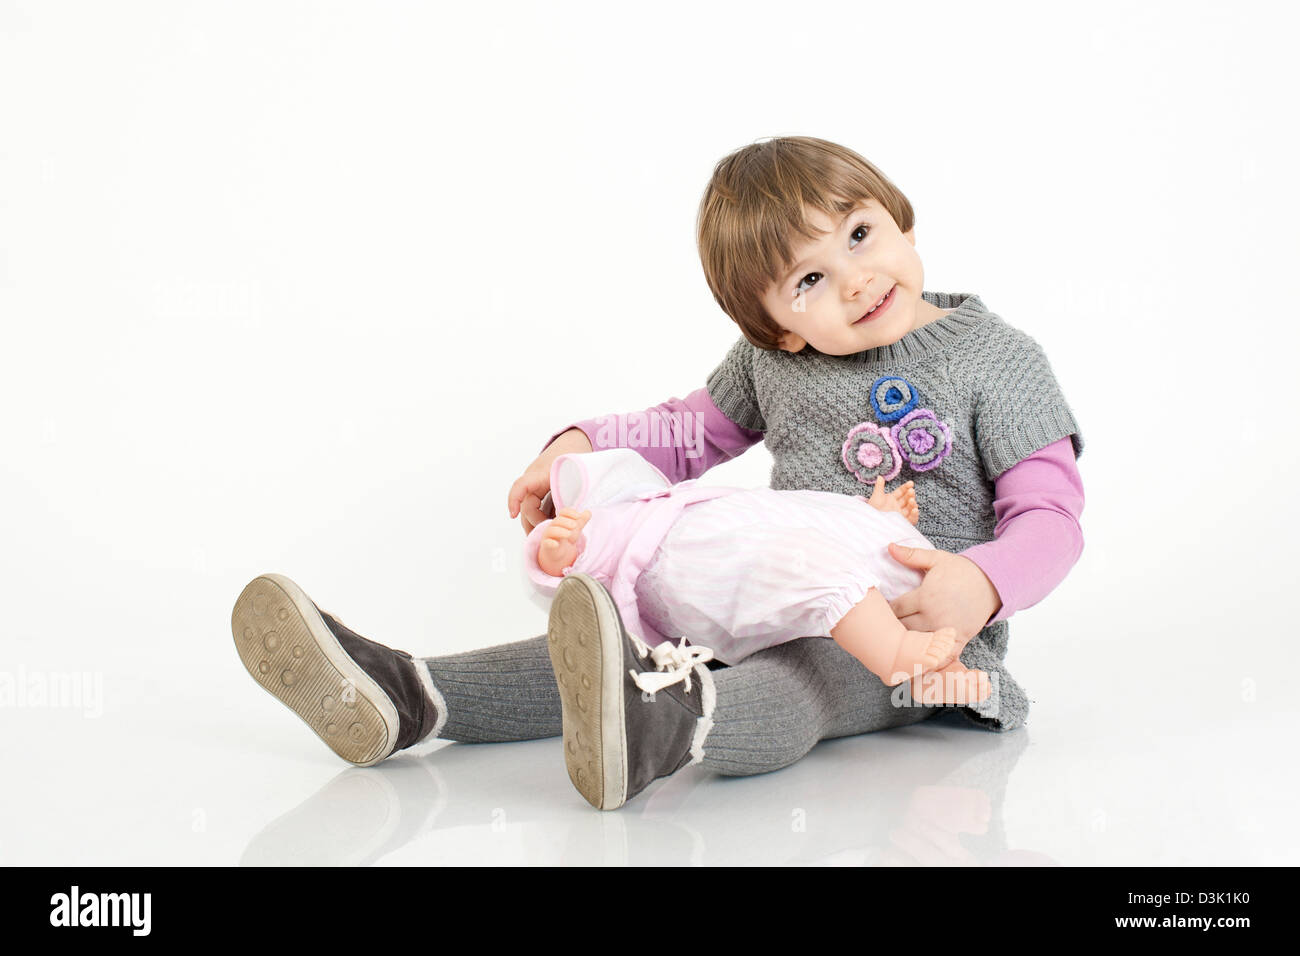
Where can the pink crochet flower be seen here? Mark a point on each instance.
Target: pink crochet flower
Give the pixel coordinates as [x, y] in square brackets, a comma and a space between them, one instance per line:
[871, 451]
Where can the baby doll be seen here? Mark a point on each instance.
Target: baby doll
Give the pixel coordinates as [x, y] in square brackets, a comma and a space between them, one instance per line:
[736, 570]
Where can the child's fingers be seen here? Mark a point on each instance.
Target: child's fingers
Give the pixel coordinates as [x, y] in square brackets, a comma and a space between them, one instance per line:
[905, 605]
[532, 511]
[521, 487]
[516, 495]
[522, 493]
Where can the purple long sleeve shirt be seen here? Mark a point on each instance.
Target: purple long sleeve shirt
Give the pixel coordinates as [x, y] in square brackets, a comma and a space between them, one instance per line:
[1037, 502]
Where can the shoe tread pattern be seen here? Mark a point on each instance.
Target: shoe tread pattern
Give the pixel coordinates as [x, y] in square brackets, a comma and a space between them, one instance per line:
[278, 648]
[573, 639]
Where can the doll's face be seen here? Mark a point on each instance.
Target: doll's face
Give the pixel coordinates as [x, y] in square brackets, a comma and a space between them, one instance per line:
[825, 298]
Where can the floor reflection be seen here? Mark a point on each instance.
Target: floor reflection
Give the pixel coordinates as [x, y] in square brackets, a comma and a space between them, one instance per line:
[928, 795]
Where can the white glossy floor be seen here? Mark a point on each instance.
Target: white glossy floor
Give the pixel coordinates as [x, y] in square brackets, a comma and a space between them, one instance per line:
[189, 762]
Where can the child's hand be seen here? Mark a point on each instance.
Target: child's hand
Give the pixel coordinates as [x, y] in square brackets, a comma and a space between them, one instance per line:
[559, 546]
[530, 488]
[954, 593]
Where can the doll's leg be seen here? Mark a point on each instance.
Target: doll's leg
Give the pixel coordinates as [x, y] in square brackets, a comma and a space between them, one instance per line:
[872, 634]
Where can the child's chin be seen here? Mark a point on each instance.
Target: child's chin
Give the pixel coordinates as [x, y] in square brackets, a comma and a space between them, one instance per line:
[888, 332]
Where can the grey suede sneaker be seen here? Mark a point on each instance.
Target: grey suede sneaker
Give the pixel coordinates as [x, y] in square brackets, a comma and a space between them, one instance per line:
[365, 700]
[630, 713]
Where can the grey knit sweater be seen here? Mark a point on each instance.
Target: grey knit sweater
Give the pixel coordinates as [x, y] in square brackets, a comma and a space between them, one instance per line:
[950, 406]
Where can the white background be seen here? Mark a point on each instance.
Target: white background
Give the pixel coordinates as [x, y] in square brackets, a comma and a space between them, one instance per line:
[303, 287]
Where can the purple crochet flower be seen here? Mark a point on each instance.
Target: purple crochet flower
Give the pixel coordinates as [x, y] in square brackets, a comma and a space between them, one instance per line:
[922, 439]
[870, 451]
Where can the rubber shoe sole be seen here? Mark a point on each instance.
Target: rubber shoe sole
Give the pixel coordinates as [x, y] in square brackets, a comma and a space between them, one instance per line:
[290, 651]
[585, 640]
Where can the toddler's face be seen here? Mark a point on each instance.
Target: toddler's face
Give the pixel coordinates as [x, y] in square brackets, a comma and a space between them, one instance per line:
[841, 277]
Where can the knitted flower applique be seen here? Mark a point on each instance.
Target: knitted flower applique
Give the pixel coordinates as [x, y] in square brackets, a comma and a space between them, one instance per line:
[918, 438]
[922, 439]
[892, 397]
[871, 451]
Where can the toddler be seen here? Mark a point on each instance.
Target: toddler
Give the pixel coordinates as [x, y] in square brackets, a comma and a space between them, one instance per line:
[848, 371]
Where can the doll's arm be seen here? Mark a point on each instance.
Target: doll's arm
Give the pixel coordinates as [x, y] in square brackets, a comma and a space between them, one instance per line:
[683, 438]
[559, 545]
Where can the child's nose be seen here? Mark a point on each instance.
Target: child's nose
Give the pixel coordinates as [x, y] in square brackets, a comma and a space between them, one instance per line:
[857, 283]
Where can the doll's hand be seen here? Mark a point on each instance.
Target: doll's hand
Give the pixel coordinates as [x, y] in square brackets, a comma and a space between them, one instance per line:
[526, 494]
[559, 545]
[902, 500]
[954, 593]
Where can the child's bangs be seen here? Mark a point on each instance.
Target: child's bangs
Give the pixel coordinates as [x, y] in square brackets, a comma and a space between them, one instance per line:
[825, 183]
[788, 227]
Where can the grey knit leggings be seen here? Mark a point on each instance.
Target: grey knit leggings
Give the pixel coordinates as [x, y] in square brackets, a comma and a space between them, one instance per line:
[771, 709]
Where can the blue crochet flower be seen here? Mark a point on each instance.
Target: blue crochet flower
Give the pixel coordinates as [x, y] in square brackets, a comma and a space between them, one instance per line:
[892, 397]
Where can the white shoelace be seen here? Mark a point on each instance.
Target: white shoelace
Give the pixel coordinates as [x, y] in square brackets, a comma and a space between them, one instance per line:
[673, 663]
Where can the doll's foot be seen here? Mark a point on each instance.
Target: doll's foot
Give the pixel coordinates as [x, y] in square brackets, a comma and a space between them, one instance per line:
[953, 683]
[902, 500]
[924, 651]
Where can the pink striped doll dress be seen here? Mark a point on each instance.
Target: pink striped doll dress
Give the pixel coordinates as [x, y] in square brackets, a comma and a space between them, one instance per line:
[736, 570]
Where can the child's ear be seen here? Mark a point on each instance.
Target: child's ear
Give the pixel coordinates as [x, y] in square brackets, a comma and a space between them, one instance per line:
[789, 342]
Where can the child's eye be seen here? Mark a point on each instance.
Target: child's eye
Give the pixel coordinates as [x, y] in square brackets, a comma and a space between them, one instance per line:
[862, 227]
[800, 288]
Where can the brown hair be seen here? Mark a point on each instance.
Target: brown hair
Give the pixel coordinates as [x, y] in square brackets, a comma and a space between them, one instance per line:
[757, 203]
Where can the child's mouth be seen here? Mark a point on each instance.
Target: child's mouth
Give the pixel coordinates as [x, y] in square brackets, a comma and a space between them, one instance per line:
[885, 303]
